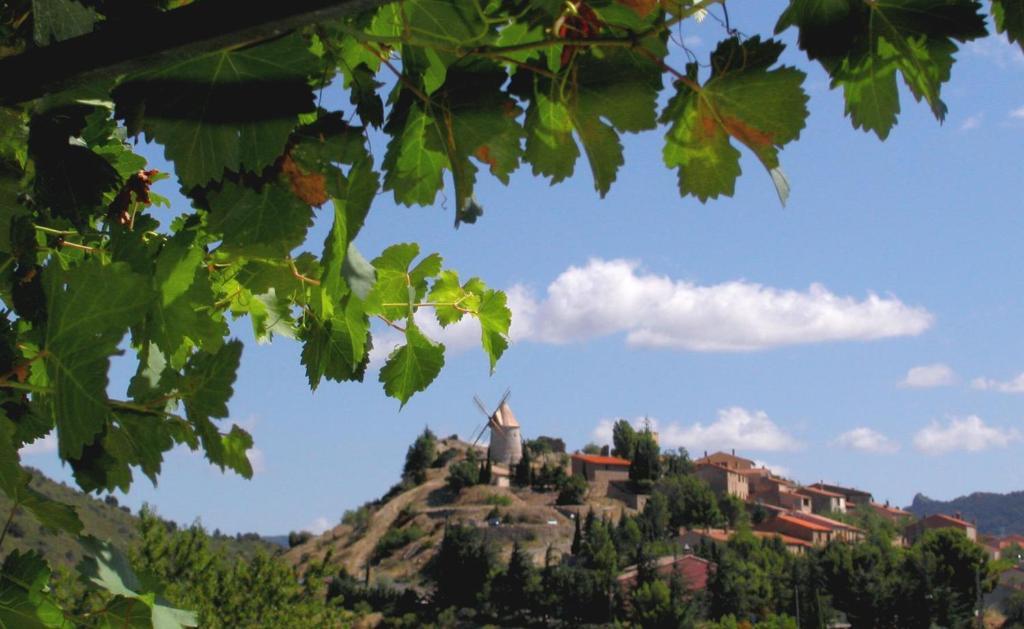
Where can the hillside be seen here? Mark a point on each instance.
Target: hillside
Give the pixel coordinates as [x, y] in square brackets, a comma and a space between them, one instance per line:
[401, 533]
[996, 514]
[104, 519]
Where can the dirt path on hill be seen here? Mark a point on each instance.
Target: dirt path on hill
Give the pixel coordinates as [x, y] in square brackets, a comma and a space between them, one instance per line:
[358, 553]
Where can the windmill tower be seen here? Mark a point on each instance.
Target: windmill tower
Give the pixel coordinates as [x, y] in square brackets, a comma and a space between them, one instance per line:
[506, 441]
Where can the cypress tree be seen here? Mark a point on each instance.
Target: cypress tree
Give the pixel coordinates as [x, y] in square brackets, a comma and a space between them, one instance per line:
[577, 538]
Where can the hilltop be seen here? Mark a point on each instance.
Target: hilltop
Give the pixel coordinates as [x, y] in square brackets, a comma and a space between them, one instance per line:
[102, 518]
[400, 533]
[996, 514]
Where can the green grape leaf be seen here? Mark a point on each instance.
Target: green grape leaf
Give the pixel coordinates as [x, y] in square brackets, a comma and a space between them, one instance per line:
[49, 512]
[363, 94]
[446, 293]
[412, 164]
[228, 110]
[336, 349]
[413, 366]
[89, 313]
[393, 285]
[332, 281]
[270, 222]
[743, 100]
[140, 440]
[446, 23]
[225, 450]
[25, 600]
[126, 612]
[1009, 19]
[550, 148]
[57, 20]
[861, 44]
[11, 475]
[480, 123]
[207, 383]
[183, 315]
[107, 568]
[359, 274]
[495, 320]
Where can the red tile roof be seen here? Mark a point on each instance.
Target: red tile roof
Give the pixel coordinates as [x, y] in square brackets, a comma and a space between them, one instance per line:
[811, 489]
[600, 460]
[803, 523]
[823, 521]
[788, 540]
[693, 569]
[950, 519]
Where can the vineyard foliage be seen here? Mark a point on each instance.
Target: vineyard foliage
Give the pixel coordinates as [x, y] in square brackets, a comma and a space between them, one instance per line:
[93, 263]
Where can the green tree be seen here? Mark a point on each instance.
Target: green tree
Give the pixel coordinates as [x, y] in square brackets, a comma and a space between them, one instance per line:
[623, 439]
[691, 501]
[463, 568]
[1013, 609]
[656, 517]
[591, 448]
[942, 576]
[524, 470]
[645, 466]
[420, 456]
[517, 590]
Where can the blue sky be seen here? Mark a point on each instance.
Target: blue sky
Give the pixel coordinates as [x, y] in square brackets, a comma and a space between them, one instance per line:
[789, 333]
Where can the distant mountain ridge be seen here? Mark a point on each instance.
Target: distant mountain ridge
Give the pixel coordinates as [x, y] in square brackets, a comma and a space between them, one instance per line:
[995, 514]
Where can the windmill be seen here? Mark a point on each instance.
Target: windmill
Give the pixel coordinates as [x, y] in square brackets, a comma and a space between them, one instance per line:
[506, 443]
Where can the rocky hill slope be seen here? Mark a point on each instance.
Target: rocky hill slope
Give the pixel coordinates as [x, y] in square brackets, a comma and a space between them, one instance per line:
[399, 535]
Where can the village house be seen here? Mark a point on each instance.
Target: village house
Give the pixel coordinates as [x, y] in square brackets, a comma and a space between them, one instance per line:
[893, 514]
[792, 526]
[913, 532]
[768, 489]
[600, 470]
[854, 497]
[590, 466]
[727, 460]
[723, 480]
[691, 569]
[823, 500]
[840, 530]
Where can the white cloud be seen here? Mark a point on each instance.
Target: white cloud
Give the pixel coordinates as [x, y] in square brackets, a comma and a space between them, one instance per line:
[607, 297]
[972, 122]
[1017, 113]
[42, 445]
[929, 376]
[1014, 385]
[866, 440]
[318, 526]
[969, 434]
[257, 460]
[735, 427]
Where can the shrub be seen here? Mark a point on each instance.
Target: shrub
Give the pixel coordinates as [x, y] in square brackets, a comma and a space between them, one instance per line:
[499, 500]
[573, 491]
[463, 474]
[394, 539]
[445, 457]
[298, 538]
